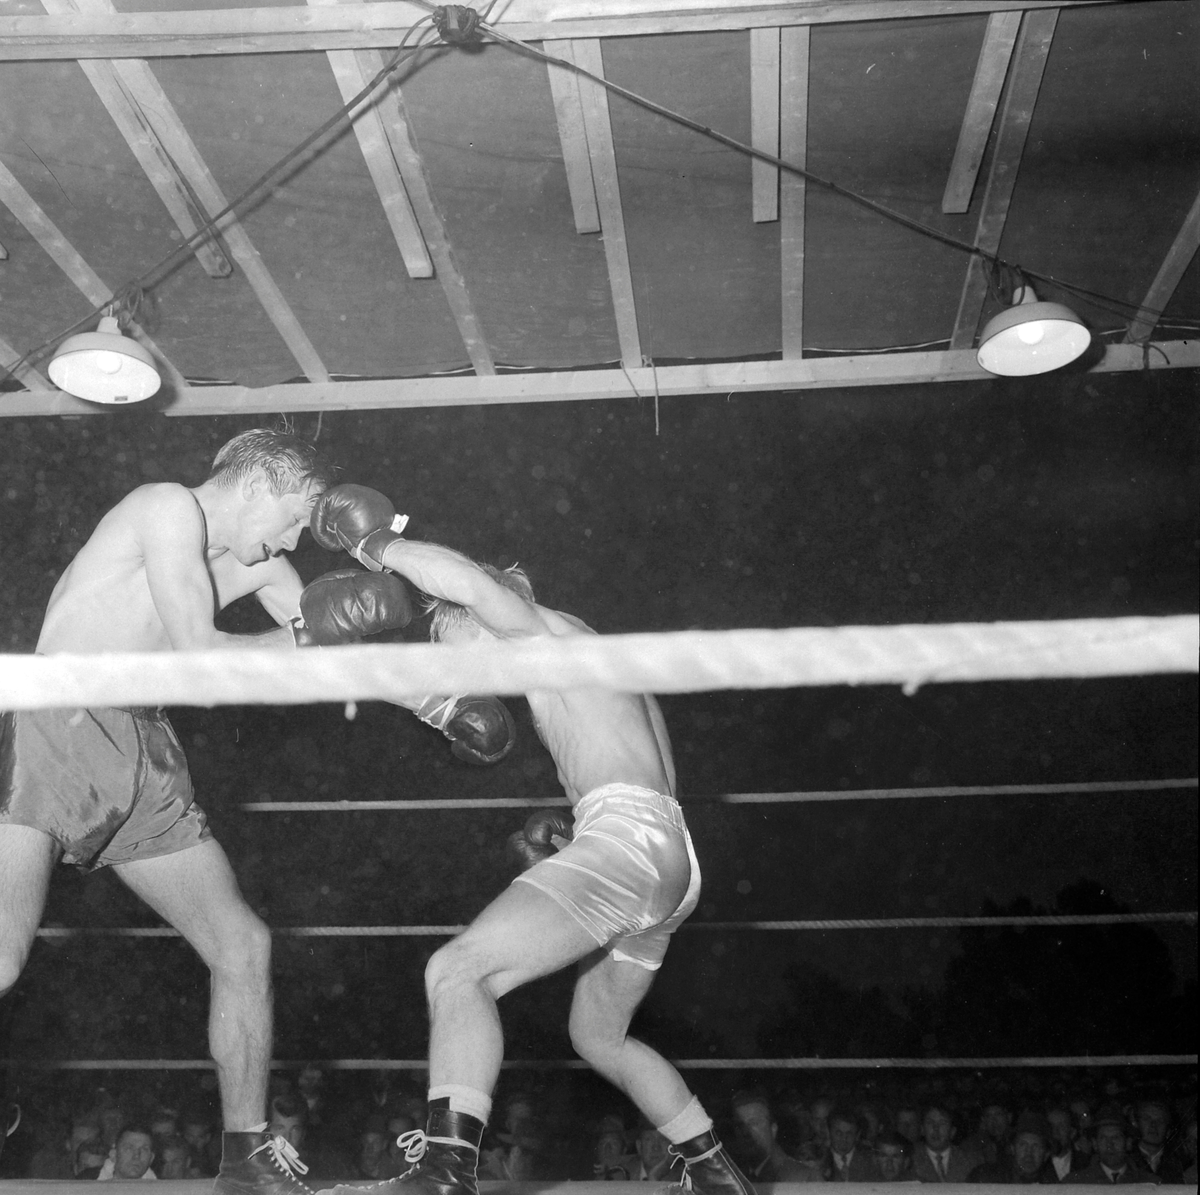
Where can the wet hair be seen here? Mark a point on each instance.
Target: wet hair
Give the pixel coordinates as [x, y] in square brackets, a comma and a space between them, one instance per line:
[446, 615]
[289, 462]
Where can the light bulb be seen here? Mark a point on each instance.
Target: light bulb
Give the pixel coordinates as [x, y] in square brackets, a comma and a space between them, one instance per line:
[108, 362]
[1031, 333]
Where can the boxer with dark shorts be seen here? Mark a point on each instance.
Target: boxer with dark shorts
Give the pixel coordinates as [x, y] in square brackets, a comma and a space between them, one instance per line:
[608, 901]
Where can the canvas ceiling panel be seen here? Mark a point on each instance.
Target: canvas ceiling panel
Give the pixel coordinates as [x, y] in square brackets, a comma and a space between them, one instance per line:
[886, 101]
[61, 143]
[321, 229]
[1113, 160]
[705, 275]
[484, 124]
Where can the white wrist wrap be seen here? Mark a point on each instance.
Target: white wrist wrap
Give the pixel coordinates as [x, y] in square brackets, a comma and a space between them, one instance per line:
[437, 711]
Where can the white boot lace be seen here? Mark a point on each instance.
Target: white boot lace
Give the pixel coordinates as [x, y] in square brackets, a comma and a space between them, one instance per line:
[283, 1154]
[413, 1143]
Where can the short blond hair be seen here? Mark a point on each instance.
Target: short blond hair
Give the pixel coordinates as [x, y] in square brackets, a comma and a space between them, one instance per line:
[446, 614]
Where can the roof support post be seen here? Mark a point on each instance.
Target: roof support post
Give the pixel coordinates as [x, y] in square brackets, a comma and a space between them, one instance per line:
[1178, 257]
[793, 90]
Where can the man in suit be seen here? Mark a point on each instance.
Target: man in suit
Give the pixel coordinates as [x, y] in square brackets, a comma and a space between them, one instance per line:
[846, 1161]
[756, 1132]
[937, 1159]
[1026, 1157]
[1111, 1145]
[1064, 1157]
[1152, 1120]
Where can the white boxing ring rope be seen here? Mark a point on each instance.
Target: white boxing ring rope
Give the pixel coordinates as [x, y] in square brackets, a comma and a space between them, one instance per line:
[670, 662]
[676, 662]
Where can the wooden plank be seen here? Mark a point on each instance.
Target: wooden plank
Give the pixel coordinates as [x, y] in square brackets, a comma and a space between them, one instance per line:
[71, 262]
[603, 154]
[680, 381]
[572, 136]
[149, 152]
[764, 123]
[1178, 258]
[403, 146]
[793, 89]
[381, 25]
[373, 142]
[1029, 61]
[990, 71]
[139, 81]
[34, 381]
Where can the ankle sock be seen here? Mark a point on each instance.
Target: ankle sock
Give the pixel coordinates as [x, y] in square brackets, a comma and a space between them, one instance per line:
[464, 1099]
[691, 1122]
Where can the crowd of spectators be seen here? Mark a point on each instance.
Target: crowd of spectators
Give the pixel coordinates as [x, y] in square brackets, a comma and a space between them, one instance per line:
[974, 1128]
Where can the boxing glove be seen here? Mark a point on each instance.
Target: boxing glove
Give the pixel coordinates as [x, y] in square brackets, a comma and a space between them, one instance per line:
[480, 729]
[343, 606]
[545, 833]
[359, 520]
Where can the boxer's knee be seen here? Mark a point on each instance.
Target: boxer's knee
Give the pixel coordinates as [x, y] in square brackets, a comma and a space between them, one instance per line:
[242, 952]
[456, 965]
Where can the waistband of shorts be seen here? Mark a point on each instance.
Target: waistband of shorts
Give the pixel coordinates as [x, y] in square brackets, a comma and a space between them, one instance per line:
[635, 794]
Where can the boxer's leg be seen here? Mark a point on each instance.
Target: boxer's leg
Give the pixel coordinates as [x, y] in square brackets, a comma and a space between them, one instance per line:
[27, 858]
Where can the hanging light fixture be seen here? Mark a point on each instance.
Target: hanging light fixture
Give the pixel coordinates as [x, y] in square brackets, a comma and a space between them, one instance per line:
[1031, 337]
[104, 366]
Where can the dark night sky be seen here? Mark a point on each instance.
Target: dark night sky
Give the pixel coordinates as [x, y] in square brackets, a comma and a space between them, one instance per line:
[1022, 499]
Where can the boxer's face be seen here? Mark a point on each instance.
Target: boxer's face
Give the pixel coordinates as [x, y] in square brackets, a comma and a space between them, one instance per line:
[270, 523]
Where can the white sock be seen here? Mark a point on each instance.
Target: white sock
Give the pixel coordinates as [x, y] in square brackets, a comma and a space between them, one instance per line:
[691, 1122]
[470, 1100]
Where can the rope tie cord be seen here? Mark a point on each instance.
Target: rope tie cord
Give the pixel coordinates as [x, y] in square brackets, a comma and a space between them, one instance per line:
[671, 662]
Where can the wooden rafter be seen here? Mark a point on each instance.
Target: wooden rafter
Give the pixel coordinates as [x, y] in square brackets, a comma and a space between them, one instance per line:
[380, 25]
[25, 373]
[373, 142]
[568, 115]
[1178, 258]
[764, 123]
[681, 381]
[603, 155]
[1029, 61]
[70, 260]
[403, 146]
[793, 137]
[147, 148]
[990, 71]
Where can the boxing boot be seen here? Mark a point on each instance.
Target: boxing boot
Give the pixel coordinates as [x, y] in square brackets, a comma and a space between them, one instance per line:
[445, 1158]
[255, 1163]
[708, 1169]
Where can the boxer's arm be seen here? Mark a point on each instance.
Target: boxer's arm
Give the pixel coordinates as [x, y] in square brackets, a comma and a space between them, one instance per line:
[444, 573]
[279, 593]
[169, 530]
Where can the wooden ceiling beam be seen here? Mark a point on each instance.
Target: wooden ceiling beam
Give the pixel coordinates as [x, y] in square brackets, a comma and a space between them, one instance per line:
[793, 191]
[572, 136]
[598, 125]
[32, 379]
[373, 142]
[990, 72]
[1025, 80]
[682, 381]
[1178, 258]
[68, 259]
[381, 25]
[764, 123]
[403, 146]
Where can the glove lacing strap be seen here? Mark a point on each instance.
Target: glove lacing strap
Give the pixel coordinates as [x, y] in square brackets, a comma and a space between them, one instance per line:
[398, 523]
[437, 711]
[283, 1154]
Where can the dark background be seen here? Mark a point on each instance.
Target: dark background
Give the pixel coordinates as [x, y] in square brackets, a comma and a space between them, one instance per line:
[1058, 497]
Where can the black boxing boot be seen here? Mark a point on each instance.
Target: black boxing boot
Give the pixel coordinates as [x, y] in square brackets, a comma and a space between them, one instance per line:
[445, 1158]
[708, 1169]
[255, 1163]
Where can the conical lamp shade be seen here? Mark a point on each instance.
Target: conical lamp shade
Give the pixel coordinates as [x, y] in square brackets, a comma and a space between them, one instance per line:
[1031, 337]
[104, 366]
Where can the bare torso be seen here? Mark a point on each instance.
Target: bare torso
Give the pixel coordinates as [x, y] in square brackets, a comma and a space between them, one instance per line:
[596, 736]
[104, 602]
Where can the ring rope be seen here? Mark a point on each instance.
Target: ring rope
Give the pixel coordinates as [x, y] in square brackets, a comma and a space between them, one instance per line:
[670, 662]
[849, 794]
[447, 931]
[574, 1064]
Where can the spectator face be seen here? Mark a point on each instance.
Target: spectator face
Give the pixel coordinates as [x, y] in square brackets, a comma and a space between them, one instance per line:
[174, 1160]
[135, 1152]
[755, 1128]
[1152, 1125]
[820, 1121]
[290, 1128]
[609, 1148]
[197, 1134]
[843, 1135]
[908, 1124]
[372, 1147]
[1029, 1153]
[651, 1147]
[937, 1129]
[309, 1081]
[90, 1155]
[1062, 1131]
[1111, 1146]
[994, 1122]
[891, 1162]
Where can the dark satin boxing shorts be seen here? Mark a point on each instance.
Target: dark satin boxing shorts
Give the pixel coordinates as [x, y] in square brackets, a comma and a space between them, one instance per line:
[629, 876]
[108, 785]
